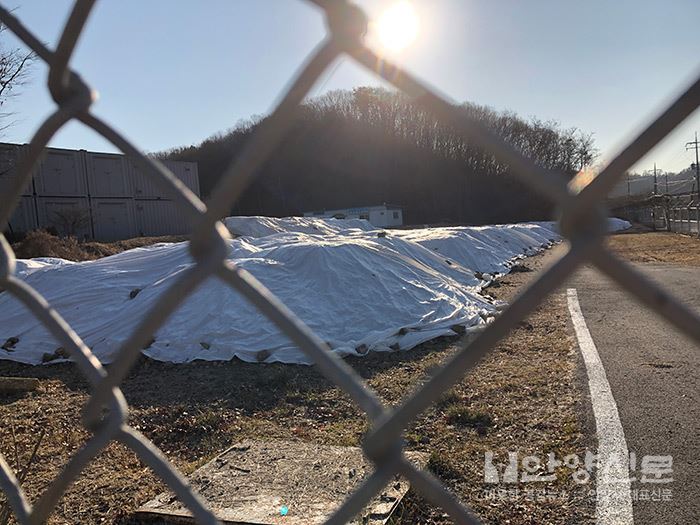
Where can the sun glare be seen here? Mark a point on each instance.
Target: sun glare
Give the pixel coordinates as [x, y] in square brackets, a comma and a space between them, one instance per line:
[397, 27]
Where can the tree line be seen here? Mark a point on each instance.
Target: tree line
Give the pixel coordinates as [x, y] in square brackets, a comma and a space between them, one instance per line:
[367, 146]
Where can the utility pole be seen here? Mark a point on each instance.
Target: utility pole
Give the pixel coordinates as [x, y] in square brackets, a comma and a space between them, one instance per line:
[688, 146]
[653, 200]
[666, 177]
[628, 184]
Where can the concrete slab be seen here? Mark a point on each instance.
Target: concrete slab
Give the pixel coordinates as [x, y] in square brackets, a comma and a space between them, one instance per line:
[254, 482]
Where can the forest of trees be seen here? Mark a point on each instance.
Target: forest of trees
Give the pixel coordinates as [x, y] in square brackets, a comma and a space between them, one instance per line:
[369, 146]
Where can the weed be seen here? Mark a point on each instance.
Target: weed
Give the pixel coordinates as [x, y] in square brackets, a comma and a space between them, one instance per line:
[21, 470]
[461, 416]
[447, 399]
[440, 465]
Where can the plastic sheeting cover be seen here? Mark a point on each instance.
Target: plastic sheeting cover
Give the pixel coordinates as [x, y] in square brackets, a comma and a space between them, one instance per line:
[360, 289]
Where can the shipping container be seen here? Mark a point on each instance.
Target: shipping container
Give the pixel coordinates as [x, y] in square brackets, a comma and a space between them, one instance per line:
[67, 215]
[186, 172]
[107, 175]
[146, 188]
[61, 173]
[9, 156]
[113, 219]
[23, 218]
[159, 217]
[96, 195]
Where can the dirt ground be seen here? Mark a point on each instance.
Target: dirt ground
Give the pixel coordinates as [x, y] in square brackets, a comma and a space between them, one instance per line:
[518, 399]
[656, 247]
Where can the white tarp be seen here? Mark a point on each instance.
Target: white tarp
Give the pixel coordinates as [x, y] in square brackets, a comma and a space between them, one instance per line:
[360, 289]
[242, 226]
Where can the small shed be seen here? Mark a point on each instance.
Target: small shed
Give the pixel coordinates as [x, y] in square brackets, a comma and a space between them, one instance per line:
[382, 216]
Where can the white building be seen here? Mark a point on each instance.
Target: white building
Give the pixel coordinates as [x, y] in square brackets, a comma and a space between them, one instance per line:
[383, 216]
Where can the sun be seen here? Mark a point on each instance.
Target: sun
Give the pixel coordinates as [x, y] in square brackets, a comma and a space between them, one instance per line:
[397, 27]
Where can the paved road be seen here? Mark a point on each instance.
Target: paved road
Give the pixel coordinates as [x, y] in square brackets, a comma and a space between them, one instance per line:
[653, 375]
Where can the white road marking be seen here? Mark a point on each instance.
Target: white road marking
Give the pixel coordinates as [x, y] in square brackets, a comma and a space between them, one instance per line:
[613, 494]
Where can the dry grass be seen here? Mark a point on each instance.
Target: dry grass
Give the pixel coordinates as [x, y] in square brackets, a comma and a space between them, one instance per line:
[657, 247]
[520, 398]
[40, 243]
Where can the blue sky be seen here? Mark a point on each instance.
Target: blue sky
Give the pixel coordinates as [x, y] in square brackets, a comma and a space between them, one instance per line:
[172, 73]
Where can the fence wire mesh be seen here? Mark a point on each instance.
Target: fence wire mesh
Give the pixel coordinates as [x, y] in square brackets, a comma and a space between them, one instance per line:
[679, 214]
[674, 213]
[582, 222]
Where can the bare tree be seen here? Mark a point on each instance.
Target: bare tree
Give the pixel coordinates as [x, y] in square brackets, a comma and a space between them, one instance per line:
[70, 221]
[14, 72]
[586, 151]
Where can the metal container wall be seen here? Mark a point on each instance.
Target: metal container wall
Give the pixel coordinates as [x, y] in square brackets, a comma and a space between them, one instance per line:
[107, 175]
[61, 173]
[186, 172]
[67, 215]
[113, 219]
[159, 217]
[23, 219]
[9, 156]
[94, 195]
[144, 188]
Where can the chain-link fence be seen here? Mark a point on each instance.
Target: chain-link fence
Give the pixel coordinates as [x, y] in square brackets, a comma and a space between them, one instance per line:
[674, 213]
[681, 214]
[582, 221]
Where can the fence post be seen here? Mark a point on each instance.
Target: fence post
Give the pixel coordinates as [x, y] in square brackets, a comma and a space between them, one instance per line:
[673, 226]
[676, 216]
